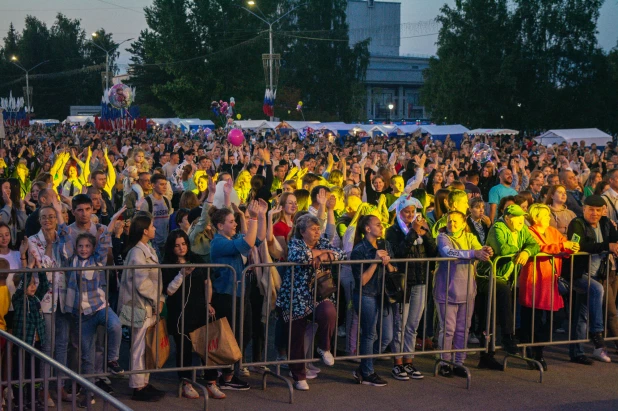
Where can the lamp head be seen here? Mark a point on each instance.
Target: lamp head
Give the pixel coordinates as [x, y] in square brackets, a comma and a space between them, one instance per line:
[390, 106]
[94, 34]
[13, 58]
[251, 3]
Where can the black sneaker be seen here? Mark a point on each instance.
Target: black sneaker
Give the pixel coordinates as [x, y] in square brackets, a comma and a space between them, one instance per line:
[115, 368]
[234, 384]
[488, 361]
[399, 373]
[509, 344]
[459, 371]
[358, 376]
[413, 372]
[104, 386]
[82, 401]
[148, 394]
[597, 340]
[583, 360]
[446, 371]
[375, 380]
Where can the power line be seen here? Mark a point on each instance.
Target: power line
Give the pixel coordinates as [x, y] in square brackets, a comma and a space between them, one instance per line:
[122, 7]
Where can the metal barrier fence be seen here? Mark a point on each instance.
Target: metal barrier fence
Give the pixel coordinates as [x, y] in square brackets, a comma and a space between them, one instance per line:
[487, 325]
[573, 290]
[18, 349]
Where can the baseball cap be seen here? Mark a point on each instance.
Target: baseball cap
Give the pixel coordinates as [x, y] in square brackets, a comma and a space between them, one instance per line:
[515, 210]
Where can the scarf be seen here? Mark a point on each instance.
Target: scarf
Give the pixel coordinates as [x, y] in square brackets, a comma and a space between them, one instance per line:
[401, 203]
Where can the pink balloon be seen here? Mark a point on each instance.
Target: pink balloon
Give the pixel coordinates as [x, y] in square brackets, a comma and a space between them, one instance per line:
[235, 137]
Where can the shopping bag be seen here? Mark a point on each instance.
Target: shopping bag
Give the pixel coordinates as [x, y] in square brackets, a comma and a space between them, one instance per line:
[156, 338]
[221, 344]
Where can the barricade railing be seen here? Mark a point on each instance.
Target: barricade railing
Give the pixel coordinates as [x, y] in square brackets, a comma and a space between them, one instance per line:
[290, 271]
[555, 283]
[57, 315]
[21, 379]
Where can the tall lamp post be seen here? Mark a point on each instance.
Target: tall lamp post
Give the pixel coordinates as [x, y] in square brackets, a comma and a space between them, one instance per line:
[270, 24]
[94, 36]
[15, 62]
[391, 106]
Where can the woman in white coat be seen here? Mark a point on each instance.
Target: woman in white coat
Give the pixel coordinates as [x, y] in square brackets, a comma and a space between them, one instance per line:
[141, 300]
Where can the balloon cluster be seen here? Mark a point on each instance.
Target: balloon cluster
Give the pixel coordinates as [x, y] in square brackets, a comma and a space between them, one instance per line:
[120, 96]
[482, 153]
[223, 110]
[299, 106]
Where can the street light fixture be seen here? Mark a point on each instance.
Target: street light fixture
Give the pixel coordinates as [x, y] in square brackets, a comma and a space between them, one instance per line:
[27, 71]
[391, 106]
[270, 36]
[94, 36]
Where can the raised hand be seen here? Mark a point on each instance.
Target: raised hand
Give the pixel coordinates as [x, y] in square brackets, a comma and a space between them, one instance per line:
[212, 186]
[263, 206]
[331, 202]
[228, 187]
[274, 211]
[321, 197]
[23, 247]
[253, 209]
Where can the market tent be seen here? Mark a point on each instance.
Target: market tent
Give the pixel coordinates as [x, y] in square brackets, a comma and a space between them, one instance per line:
[46, 122]
[296, 125]
[81, 120]
[340, 128]
[163, 122]
[408, 128]
[493, 132]
[195, 123]
[252, 124]
[456, 131]
[589, 135]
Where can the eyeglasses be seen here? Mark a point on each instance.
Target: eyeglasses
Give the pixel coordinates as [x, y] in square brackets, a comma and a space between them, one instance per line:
[47, 217]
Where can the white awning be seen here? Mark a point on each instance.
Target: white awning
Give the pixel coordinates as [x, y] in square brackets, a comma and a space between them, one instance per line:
[589, 135]
[493, 132]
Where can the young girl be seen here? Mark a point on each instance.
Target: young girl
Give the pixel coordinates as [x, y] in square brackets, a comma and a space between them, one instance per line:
[129, 182]
[456, 305]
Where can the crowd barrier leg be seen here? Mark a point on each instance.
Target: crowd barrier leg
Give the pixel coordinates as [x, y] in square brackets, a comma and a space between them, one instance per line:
[522, 356]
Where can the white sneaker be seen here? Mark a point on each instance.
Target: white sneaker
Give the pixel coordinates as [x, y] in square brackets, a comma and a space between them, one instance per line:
[600, 354]
[215, 392]
[473, 339]
[189, 392]
[327, 357]
[244, 371]
[310, 375]
[301, 385]
[313, 368]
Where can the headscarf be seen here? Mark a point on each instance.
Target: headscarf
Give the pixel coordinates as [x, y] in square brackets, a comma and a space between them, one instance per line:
[405, 202]
[219, 200]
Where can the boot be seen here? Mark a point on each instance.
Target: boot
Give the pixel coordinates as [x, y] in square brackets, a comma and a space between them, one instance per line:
[509, 344]
[597, 340]
[489, 362]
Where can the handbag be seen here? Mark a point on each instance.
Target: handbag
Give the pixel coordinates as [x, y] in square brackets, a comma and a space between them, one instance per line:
[325, 283]
[394, 287]
[156, 336]
[131, 316]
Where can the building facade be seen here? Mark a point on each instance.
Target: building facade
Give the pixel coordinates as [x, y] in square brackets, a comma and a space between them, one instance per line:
[391, 79]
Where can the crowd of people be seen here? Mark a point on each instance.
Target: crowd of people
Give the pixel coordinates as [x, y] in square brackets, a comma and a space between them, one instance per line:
[75, 197]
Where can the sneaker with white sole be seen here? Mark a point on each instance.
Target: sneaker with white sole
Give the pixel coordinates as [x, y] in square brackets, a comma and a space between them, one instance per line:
[310, 375]
[327, 357]
[313, 368]
[234, 384]
[399, 373]
[189, 392]
[301, 385]
[600, 354]
[473, 339]
[244, 372]
[373, 379]
[259, 369]
[214, 392]
[413, 372]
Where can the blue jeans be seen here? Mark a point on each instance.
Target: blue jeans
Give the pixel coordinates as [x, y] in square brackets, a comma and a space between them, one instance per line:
[586, 312]
[412, 315]
[369, 315]
[90, 323]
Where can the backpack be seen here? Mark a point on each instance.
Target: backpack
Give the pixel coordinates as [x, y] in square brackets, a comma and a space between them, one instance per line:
[150, 206]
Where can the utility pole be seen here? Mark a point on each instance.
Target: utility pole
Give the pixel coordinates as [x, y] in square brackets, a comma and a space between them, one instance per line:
[14, 61]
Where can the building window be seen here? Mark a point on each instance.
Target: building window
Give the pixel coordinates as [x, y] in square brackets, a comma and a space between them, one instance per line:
[381, 98]
[413, 106]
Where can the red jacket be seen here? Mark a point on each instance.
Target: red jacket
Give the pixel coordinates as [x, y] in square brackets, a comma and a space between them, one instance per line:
[548, 270]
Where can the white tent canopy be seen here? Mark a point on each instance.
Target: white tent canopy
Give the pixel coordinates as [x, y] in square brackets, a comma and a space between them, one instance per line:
[444, 130]
[589, 135]
[493, 132]
[297, 125]
[46, 122]
[408, 128]
[79, 120]
[195, 123]
[166, 121]
[252, 124]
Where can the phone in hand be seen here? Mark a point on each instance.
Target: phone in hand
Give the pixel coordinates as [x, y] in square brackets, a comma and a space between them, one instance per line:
[381, 244]
[575, 238]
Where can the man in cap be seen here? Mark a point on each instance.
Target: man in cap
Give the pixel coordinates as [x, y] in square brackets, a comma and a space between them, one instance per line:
[597, 236]
[508, 236]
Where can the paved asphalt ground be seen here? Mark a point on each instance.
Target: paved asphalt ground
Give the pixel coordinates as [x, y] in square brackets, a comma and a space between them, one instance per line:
[566, 386]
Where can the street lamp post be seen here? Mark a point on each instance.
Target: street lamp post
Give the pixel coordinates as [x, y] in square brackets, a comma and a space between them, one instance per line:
[270, 38]
[14, 61]
[94, 35]
[391, 106]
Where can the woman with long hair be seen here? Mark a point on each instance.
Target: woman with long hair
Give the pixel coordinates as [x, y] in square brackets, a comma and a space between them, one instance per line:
[13, 210]
[435, 182]
[302, 199]
[189, 291]
[593, 179]
[369, 283]
[283, 226]
[141, 300]
[561, 216]
[440, 206]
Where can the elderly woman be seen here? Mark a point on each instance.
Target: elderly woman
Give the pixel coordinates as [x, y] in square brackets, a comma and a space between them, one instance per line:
[307, 246]
[538, 281]
[141, 300]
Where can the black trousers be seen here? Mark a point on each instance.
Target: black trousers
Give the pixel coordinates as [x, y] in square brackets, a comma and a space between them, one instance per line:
[504, 305]
[174, 324]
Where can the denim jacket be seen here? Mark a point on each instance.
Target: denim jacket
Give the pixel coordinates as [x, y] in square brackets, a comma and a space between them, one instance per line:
[365, 251]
